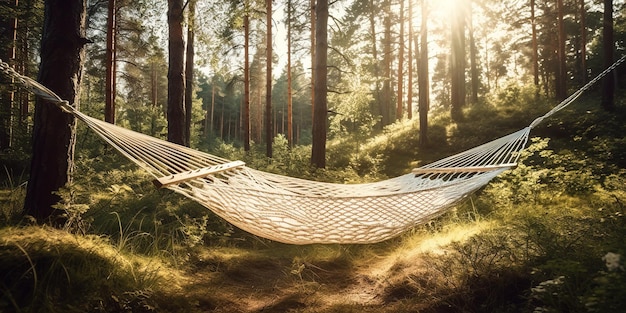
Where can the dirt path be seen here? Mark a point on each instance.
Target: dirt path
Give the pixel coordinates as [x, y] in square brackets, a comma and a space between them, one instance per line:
[313, 279]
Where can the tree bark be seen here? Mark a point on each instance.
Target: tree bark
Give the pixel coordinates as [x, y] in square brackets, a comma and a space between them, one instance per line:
[175, 74]
[561, 77]
[110, 90]
[25, 62]
[473, 57]
[9, 56]
[374, 42]
[246, 81]
[608, 44]
[409, 98]
[189, 68]
[385, 101]
[535, 47]
[457, 64]
[583, 42]
[269, 125]
[422, 78]
[400, 97]
[318, 153]
[289, 78]
[313, 47]
[54, 130]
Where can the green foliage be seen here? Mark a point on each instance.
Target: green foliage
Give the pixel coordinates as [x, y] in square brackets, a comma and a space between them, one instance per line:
[607, 292]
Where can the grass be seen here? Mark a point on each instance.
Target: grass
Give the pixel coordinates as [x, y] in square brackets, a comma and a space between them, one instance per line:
[49, 270]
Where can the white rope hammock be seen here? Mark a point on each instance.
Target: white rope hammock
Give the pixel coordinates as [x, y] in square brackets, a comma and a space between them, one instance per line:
[299, 211]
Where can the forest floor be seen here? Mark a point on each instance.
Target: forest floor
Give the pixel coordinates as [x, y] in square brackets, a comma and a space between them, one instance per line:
[273, 277]
[320, 278]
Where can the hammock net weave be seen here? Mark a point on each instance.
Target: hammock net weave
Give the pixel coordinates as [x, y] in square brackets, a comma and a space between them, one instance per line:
[298, 211]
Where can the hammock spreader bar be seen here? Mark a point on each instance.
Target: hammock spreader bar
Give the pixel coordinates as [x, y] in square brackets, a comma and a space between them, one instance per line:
[199, 173]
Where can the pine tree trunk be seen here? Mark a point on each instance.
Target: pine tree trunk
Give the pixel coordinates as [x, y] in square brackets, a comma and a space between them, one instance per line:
[318, 153]
[269, 126]
[473, 58]
[561, 77]
[212, 114]
[175, 74]
[25, 61]
[23, 64]
[608, 44]
[54, 131]
[385, 101]
[246, 81]
[535, 48]
[457, 66]
[189, 68]
[400, 96]
[289, 79]
[313, 47]
[583, 42]
[9, 43]
[374, 42]
[409, 98]
[422, 78]
[109, 93]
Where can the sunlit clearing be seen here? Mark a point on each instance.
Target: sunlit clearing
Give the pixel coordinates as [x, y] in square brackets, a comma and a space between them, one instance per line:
[426, 242]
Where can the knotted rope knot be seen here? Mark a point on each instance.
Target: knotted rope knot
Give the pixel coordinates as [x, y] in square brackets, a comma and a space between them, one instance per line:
[36, 88]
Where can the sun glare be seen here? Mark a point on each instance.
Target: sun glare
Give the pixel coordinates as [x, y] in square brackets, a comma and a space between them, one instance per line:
[445, 7]
[442, 10]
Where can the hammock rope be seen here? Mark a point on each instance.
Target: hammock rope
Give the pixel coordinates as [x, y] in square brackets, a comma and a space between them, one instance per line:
[298, 211]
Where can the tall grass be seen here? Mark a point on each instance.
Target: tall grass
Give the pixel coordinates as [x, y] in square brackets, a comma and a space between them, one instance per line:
[11, 198]
[48, 270]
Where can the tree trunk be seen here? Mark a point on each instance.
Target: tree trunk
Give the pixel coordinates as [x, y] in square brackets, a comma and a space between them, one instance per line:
[473, 57]
[212, 114]
[400, 97]
[25, 56]
[9, 56]
[175, 74]
[608, 44]
[189, 68]
[422, 78]
[313, 47]
[409, 98]
[583, 42]
[289, 79]
[385, 101]
[535, 47]
[246, 82]
[269, 126]
[318, 153]
[371, 16]
[561, 77]
[110, 90]
[54, 131]
[457, 64]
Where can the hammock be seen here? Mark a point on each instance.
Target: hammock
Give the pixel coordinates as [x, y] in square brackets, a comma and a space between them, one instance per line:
[298, 211]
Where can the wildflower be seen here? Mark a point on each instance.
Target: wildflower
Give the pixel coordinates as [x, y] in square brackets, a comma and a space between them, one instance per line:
[613, 261]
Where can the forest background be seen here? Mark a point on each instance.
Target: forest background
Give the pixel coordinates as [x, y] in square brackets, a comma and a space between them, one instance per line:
[469, 71]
